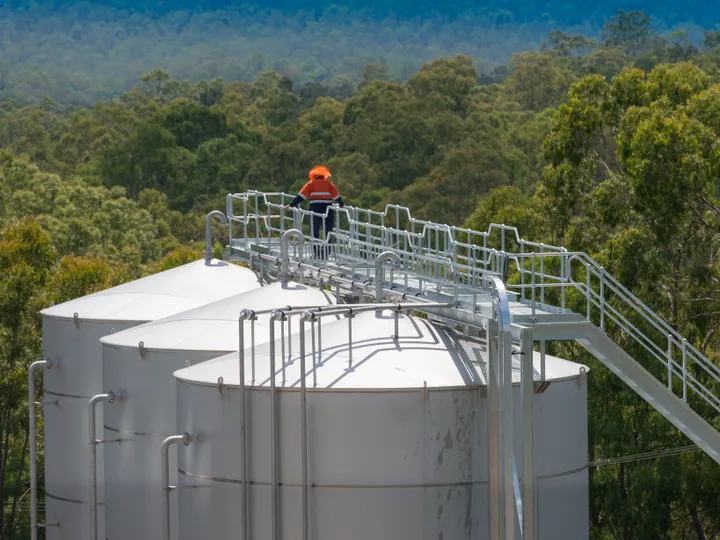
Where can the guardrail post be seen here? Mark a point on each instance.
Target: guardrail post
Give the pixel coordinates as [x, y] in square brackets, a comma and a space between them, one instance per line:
[669, 362]
[684, 377]
[602, 298]
[587, 292]
[542, 274]
[564, 281]
[532, 285]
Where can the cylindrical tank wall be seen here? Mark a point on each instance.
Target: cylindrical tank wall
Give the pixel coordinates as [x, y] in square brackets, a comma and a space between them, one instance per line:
[143, 416]
[146, 412]
[71, 335]
[383, 465]
[75, 379]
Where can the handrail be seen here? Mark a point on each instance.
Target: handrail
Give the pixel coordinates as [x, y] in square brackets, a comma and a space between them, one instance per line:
[461, 259]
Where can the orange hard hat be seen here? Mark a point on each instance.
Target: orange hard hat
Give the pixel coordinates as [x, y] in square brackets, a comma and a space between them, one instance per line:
[320, 171]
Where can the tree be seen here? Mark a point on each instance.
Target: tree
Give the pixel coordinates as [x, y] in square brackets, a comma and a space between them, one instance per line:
[156, 80]
[633, 168]
[535, 82]
[26, 256]
[628, 30]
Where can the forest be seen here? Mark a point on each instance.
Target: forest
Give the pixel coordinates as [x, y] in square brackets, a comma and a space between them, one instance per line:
[607, 143]
[79, 52]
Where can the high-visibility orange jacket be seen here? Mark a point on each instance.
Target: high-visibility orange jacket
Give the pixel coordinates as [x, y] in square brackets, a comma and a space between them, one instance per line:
[318, 190]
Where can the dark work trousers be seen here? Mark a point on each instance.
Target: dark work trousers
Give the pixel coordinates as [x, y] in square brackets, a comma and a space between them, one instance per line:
[321, 250]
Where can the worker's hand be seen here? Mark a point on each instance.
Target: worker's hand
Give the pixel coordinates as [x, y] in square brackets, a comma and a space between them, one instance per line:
[287, 207]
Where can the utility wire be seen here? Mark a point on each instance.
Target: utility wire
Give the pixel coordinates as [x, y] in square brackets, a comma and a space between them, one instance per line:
[669, 452]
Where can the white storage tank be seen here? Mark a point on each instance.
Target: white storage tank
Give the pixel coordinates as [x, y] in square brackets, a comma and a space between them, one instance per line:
[397, 446]
[145, 414]
[71, 336]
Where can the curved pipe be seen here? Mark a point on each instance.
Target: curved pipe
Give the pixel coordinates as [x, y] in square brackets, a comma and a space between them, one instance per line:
[186, 439]
[110, 397]
[380, 271]
[284, 249]
[503, 485]
[208, 231]
[33, 444]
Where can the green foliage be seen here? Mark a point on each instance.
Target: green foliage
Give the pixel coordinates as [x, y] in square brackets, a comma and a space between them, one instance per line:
[609, 148]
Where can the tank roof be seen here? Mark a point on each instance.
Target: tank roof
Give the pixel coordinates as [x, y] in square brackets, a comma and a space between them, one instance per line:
[214, 327]
[426, 353]
[161, 294]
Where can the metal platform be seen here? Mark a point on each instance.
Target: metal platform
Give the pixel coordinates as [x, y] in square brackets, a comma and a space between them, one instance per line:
[513, 290]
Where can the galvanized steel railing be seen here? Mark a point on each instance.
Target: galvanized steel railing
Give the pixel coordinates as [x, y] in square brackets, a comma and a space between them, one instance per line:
[456, 260]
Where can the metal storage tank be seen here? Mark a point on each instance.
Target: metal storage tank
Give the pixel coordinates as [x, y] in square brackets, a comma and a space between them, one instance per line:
[71, 336]
[397, 446]
[139, 364]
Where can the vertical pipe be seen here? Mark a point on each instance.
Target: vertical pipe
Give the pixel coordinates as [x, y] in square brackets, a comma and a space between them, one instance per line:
[303, 431]
[669, 362]
[186, 439]
[289, 323]
[314, 361]
[273, 430]
[319, 330]
[528, 391]
[93, 459]
[494, 433]
[284, 250]
[282, 348]
[380, 272]
[350, 341]
[252, 346]
[33, 444]
[245, 531]
[542, 360]
[208, 231]
[506, 411]
[397, 323]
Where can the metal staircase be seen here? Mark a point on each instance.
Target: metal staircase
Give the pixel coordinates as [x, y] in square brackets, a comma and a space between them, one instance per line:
[462, 268]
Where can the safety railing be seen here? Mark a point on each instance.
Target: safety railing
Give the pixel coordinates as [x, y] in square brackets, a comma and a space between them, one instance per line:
[457, 260]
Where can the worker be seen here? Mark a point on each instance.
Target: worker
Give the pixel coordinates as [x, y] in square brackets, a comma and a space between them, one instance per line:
[321, 193]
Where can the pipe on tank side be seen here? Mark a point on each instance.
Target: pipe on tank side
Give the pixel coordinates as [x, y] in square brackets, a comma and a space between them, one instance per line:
[285, 247]
[307, 316]
[245, 315]
[33, 443]
[208, 231]
[186, 439]
[276, 316]
[110, 397]
[380, 271]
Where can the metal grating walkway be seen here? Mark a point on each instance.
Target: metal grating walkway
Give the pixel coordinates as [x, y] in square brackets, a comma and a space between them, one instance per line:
[451, 264]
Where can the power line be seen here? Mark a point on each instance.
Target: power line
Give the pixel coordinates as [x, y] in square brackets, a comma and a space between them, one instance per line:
[669, 452]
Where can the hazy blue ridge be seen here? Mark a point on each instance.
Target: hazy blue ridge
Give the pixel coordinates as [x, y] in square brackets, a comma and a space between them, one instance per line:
[562, 12]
